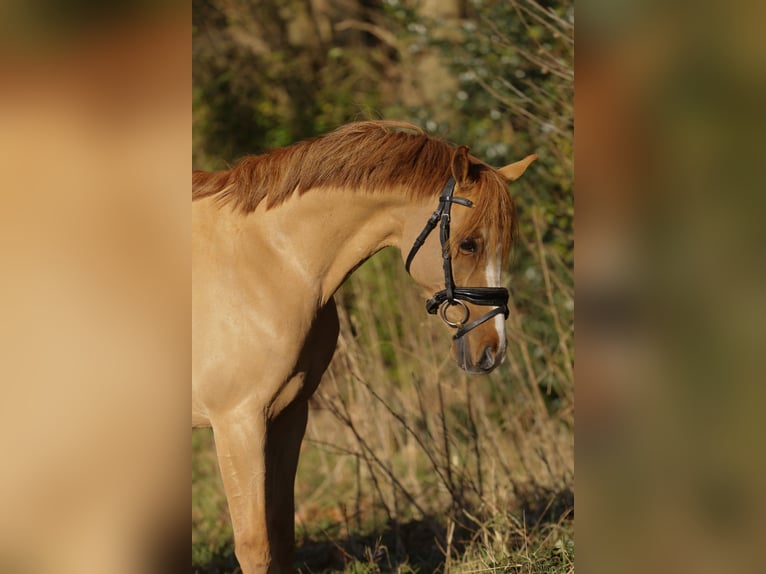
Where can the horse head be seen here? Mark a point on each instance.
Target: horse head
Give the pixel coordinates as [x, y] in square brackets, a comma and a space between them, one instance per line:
[460, 267]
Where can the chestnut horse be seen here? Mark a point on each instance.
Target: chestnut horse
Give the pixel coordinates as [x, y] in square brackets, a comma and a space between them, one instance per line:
[272, 240]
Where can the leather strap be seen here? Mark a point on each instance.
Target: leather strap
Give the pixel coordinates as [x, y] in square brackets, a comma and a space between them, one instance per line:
[488, 296]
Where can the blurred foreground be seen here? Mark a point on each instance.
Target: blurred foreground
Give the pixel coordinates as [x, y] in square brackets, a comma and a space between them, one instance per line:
[94, 153]
[670, 287]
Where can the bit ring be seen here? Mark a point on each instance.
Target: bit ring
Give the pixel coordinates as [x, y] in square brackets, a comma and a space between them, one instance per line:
[455, 303]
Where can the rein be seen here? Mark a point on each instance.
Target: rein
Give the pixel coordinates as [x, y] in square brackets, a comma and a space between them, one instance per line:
[451, 295]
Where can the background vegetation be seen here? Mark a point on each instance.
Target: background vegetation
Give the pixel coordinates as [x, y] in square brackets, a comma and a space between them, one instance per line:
[410, 464]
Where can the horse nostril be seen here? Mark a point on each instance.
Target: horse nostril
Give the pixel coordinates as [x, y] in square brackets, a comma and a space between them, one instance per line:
[488, 358]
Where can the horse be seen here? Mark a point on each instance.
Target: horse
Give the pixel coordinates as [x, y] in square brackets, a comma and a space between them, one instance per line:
[272, 240]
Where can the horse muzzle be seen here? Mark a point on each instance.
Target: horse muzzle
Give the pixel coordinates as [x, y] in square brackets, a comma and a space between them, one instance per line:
[490, 358]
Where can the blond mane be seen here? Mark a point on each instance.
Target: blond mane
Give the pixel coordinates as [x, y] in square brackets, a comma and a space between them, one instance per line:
[369, 156]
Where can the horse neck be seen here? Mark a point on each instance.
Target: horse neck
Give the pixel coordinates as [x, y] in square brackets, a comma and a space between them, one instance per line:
[327, 233]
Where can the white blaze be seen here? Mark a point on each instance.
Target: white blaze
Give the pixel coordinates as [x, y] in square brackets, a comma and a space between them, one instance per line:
[493, 273]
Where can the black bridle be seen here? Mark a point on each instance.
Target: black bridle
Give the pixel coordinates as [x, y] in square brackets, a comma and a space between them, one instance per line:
[452, 296]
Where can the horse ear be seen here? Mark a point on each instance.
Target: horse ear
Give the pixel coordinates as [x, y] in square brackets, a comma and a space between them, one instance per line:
[513, 171]
[460, 164]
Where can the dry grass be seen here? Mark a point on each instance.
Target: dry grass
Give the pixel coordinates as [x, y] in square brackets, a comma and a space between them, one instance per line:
[409, 464]
[399, 434]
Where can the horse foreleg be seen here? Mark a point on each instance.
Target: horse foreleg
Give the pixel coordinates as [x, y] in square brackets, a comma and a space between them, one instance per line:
[283, 445]
[258, 460]
[240, 442]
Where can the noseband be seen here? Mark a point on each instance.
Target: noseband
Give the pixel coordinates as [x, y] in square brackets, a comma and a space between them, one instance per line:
[452, 296]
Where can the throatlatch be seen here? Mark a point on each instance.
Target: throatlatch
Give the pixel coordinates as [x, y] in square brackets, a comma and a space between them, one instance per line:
[452, 296]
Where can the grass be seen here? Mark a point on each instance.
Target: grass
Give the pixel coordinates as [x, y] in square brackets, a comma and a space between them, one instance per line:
[409, 464]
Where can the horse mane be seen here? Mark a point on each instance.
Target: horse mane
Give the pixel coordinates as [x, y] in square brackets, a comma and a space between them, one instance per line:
[367, 156]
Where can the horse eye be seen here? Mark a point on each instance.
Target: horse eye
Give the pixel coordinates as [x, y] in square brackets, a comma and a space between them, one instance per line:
[468, 245]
